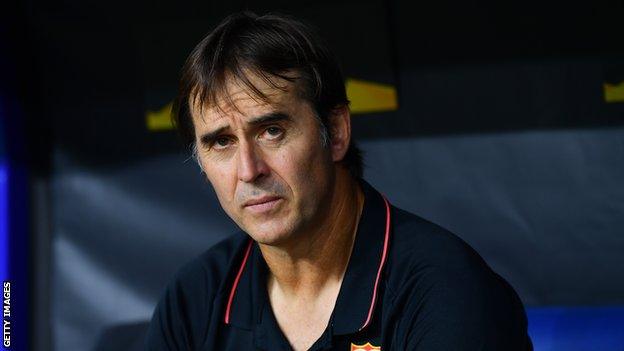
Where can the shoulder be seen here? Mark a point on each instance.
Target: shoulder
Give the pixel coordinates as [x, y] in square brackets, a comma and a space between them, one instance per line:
[422, 250]
[416, 241]
[185, 307]
[437, 279]
[207, 272]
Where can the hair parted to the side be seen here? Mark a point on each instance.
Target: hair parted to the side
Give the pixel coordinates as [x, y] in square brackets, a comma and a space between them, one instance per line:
[270, 46]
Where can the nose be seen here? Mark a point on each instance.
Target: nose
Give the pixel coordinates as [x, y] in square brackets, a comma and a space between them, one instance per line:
[251, 165]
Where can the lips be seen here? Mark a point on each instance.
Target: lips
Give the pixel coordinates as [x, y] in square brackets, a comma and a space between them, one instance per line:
[262, 200]
[263, 205]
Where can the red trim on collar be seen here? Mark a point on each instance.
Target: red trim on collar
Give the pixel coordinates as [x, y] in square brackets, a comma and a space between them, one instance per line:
[381, 264]
[240, 272]
[377, 279]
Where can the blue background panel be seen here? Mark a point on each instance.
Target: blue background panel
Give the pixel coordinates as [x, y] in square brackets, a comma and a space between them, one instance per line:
[577, 328]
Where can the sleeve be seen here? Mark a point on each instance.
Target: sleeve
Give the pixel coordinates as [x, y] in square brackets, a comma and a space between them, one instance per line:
[462, 307]
[168, 330]
[182, 313]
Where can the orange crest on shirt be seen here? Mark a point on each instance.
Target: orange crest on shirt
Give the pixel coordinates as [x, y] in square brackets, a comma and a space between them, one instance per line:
[365, 347]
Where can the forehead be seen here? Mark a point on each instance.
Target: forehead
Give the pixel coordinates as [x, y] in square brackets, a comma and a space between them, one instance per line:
[237, 99]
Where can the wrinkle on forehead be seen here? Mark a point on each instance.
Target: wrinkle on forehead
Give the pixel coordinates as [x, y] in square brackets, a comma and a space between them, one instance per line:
[260, 88]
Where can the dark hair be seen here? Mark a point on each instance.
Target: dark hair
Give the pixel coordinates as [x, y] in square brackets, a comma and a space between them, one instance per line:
[268, 46]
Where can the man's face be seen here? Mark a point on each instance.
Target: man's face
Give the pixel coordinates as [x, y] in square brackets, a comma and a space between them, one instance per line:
[266, 161]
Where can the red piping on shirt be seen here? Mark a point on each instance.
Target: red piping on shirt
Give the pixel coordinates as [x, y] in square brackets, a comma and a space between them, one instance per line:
[381, 264]
[240, 272]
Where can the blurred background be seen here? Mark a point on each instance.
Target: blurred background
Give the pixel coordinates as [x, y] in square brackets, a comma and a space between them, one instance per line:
[503, 122]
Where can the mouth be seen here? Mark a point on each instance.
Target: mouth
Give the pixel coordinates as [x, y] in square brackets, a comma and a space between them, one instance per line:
[263, 204]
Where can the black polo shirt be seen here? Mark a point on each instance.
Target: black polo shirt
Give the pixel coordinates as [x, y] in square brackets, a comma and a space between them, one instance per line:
[409, 285]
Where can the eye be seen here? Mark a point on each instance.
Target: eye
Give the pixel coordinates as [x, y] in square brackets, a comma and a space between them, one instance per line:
[274, 132]
[221, 142]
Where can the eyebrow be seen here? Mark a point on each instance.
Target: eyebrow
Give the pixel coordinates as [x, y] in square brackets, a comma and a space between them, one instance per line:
[209, 137]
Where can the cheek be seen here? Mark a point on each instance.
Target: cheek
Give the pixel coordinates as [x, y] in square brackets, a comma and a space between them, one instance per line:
[302, 165]
[223, 182]
[292, 163]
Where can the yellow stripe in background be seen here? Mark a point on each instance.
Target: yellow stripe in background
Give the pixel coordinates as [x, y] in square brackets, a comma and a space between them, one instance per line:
[159, 120]
[367, 97]
[614, 92]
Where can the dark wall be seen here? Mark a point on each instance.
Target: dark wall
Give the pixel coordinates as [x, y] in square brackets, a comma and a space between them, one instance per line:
[502, 135]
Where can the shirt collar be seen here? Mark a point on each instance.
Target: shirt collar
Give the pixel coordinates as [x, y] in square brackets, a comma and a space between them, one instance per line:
[359, 291]
[360, 287]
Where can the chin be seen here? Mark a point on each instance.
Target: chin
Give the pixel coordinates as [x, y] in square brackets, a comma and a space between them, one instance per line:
[270, 239]
[272, 234]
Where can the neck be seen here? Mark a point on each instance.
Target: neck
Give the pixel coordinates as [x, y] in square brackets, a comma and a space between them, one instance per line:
[318, 258]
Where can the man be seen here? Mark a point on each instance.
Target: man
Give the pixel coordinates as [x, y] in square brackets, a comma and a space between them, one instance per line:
[323, 260]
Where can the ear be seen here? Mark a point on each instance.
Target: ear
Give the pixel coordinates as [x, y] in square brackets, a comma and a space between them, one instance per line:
[340, 132]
